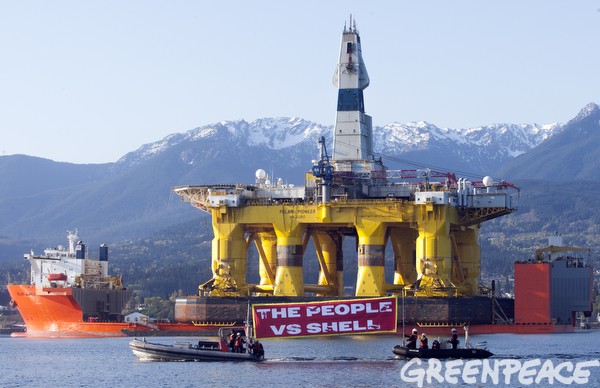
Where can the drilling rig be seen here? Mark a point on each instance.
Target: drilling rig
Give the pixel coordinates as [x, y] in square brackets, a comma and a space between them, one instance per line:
[430, 219]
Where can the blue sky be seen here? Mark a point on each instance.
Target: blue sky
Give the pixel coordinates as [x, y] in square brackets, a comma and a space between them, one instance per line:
[89, 81]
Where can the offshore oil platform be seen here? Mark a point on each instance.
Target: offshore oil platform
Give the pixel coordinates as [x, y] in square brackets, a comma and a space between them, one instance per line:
[431, 219]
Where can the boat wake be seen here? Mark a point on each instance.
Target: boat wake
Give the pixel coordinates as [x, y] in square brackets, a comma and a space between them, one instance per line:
[551, 356]
[346, 359]
[294, 359]
[324, 360]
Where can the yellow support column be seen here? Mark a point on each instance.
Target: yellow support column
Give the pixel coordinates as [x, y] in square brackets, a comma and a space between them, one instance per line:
[403, 242]
[339, 258]
[370, 280]
[228, 257]
[469, 254]
[433, 251]
[327, 253]
[289, 280]
[267, 247]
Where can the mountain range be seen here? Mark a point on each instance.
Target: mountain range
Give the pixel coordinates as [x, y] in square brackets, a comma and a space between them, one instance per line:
[571, 154]
[132, 198]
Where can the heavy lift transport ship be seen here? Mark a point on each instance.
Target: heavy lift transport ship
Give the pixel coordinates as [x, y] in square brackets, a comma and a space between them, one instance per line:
[431, 219]
[73, 295]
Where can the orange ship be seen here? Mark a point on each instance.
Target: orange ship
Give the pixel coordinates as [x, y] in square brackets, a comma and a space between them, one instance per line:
[71, 295]
[55, 312]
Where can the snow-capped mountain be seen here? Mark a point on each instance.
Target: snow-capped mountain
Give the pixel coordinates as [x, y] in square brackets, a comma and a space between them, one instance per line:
[571, 154]
[478, 150]
[268, 134]
[133, 197]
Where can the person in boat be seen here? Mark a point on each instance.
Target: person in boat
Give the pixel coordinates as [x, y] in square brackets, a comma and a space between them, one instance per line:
[435, 345]
[412, 340]
[232, 338]
[454, 339]
[257, 349]
[424, 342]
[239, 344]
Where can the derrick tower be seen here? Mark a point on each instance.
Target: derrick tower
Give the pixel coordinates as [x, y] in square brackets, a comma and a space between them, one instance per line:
[430, 219]
[353, 129]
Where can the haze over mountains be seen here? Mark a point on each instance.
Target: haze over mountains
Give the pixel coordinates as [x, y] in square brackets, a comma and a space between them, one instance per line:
[131, 198]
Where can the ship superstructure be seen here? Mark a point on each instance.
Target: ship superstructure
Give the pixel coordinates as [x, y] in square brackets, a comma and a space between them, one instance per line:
[555, 286]
[430, 219]
[70, 267]
[71, 294]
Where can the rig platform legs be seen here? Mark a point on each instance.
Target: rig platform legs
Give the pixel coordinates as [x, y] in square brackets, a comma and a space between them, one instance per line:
[328, 248]
[403, 243]
[267, 250]
[229, 256]
[466, 260]
[434, 253]
[370, 279]
[289, 280]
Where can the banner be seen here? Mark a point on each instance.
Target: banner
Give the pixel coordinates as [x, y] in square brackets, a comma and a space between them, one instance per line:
[304, 319]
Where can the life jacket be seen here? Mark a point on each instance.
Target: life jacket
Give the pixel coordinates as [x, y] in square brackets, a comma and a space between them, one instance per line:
[223, 345]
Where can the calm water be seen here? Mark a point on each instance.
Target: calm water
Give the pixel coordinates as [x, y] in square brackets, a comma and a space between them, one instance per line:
[340, 361]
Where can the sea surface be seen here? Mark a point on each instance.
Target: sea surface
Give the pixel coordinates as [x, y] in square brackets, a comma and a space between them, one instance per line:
[348, 361]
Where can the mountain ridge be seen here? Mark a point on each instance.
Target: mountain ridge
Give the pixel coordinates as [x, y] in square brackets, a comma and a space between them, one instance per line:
[478, 145]
[133, 198]
[571, 154]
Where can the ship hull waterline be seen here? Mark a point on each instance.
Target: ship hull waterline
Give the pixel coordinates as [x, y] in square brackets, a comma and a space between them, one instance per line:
[431, 315]
[57, 314]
